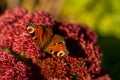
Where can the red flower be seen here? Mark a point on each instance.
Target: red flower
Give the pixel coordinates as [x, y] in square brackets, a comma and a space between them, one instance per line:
[11, 68]
[82, 63]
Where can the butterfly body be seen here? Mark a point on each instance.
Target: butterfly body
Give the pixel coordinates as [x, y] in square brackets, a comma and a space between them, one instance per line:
[48, 42]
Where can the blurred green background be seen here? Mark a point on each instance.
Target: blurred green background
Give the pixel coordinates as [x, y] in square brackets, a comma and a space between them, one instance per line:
[102, 16]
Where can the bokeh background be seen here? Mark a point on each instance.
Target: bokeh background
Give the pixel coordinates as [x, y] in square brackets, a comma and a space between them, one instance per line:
[102, 16]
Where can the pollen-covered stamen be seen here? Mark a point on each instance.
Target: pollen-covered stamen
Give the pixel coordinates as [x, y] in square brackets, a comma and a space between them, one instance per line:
[30, 29]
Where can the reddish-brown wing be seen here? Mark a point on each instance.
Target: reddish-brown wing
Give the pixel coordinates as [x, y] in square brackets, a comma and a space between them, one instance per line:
[57, 46]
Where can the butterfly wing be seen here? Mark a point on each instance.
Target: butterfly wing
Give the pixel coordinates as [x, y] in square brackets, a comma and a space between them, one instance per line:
[57, 46]
[47, 36]
[41, 34]
[47, 32]
[36, 33]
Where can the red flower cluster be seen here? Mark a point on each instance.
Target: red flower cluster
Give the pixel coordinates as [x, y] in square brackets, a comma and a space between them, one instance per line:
[11, 68]
[64, 68]
[82, 63]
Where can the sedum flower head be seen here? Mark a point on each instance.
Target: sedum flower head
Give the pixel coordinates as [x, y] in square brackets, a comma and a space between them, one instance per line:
[24, 59]
[13, 69]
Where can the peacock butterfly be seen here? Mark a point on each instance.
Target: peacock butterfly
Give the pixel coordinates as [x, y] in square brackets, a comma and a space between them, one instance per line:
[48, 41]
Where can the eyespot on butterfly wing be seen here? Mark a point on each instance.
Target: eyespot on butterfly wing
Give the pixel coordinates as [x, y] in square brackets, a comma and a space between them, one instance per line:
[51, 43]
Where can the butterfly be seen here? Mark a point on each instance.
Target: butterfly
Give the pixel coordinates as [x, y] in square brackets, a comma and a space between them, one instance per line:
[48, 41]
